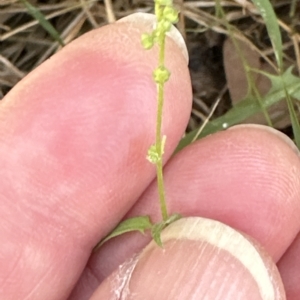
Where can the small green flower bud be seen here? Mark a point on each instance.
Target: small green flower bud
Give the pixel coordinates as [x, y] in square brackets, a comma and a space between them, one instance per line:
[161, 75]
[164, 2]
[170, 14]
[159, 13]
[163, 26]
[147, 40]
[157, 35]
[152, 155]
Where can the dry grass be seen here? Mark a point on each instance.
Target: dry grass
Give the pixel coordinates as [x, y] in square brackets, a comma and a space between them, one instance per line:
[24, 43]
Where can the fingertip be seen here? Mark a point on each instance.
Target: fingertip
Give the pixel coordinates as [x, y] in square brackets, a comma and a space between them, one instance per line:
[149, 21]
[200, 258]
[75, 135]
[247, 177]
[271, 132]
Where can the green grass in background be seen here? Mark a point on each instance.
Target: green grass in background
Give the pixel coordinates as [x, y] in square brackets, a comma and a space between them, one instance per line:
[31, 31]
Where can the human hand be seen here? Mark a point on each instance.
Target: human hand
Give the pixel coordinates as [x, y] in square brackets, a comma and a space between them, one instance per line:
[74, 136]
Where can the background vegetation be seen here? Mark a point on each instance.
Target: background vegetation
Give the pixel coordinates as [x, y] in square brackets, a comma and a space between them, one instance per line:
[244, 61]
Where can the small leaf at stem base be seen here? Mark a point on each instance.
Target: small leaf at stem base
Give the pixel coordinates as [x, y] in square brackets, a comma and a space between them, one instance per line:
[159, 227]
[140, 224]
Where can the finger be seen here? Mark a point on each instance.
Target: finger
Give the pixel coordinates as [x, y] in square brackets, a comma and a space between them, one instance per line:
[201, 259]
[247, 178]
[74, 136]
[289, 267]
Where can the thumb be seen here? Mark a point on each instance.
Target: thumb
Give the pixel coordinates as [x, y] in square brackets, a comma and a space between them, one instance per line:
[201, 259]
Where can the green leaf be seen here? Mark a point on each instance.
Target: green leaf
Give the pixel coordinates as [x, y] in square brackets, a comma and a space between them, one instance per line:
[158, 228]
[140, 224]
[267, 12]
[43, 22]
[244, 109]
[172, 219]
[156, 232]
[294, 121]
[280, 82]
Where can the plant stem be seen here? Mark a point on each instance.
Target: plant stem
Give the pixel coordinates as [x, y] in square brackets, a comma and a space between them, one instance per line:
[158, 141]
[159, 164]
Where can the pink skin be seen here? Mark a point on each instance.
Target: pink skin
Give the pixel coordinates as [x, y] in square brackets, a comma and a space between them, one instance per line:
[72, 160]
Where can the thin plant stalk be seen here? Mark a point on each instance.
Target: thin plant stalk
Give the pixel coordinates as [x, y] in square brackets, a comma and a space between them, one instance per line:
[159, 149]
[158, 141]
[166, 16]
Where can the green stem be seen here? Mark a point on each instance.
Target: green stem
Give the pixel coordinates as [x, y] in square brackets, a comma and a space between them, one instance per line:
[159, 164]
[158, 141]
[161, 190]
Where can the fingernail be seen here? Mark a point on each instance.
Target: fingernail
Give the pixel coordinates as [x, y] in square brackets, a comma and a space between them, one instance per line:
[216, 261]
[149, 20]
[200, 259]
[276, 132]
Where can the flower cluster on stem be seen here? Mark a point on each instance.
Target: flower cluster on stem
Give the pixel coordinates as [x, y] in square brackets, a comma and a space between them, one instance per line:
[166, 15]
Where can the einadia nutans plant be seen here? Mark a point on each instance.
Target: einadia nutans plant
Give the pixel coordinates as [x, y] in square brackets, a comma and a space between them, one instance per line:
[166, 16]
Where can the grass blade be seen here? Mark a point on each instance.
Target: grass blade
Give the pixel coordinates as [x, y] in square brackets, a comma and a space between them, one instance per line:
[43, 22]
[242, 111]
[267, 12]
